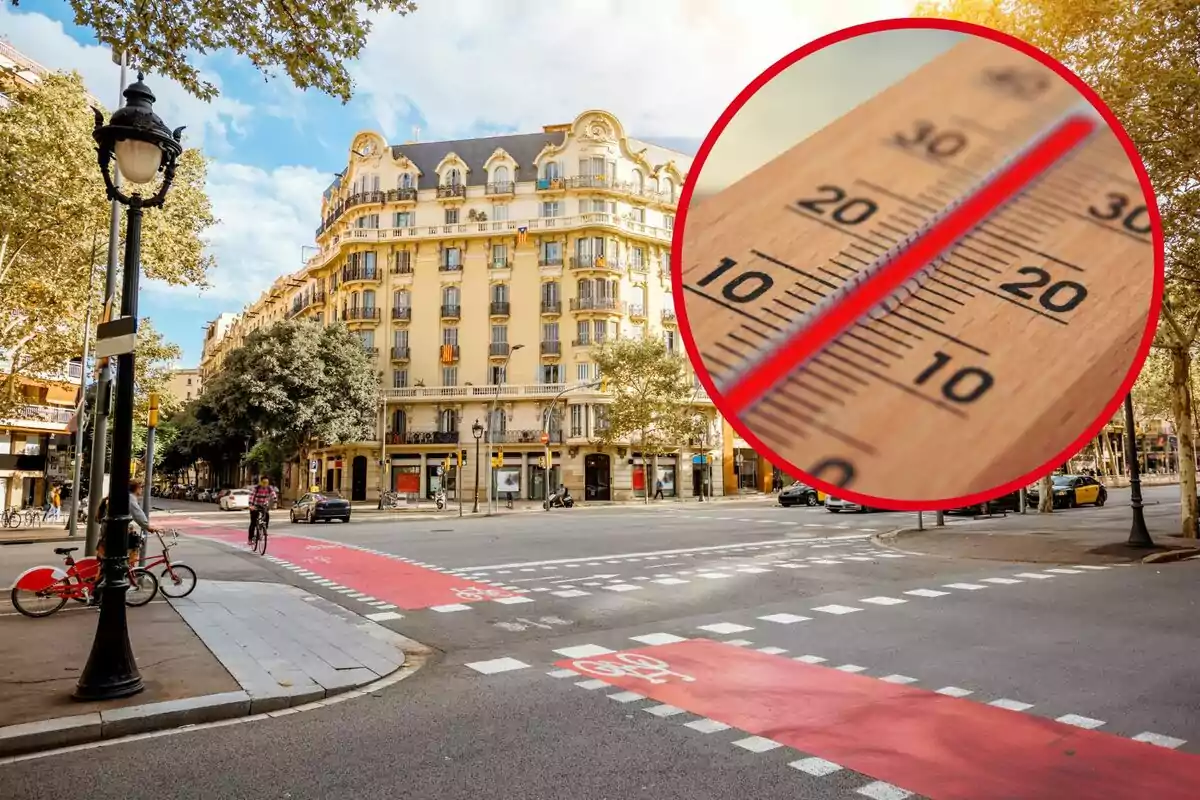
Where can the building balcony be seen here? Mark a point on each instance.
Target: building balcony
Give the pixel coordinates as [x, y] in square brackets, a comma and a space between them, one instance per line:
[551, 307]
[500, 189]
[422, 437]
[551, 185]
[551, 349]
[402, 314]
[402, 195]
[598, 263]
[669, 317]
[550, 261]
[307, 301]
[501, 263]
[400, 353]
[373, 352]
[637, 312]
[601, 304]
[525, 437]
[451, 311]
[585, 342]
[511, 391]
[360, 314]
[402, 269]
[499, 350]
[499, 308]
[454, 191]
[450, 266]
[448, 353]
[360, 275]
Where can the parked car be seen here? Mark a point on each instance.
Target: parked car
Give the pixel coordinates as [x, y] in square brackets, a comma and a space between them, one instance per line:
[235, 500]
[834, 505]
[321, 507]
[1007, 502]
[1071, 491]
[800, 494]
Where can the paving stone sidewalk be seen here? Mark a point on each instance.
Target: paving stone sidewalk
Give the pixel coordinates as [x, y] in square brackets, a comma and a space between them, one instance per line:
[230, 649]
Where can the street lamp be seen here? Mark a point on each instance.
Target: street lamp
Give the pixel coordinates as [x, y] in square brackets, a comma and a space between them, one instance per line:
[492, 419]
[142, 146]
[1139, 535]
[477, 432]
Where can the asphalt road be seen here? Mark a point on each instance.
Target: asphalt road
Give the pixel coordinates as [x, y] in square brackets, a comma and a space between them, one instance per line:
[784, 594]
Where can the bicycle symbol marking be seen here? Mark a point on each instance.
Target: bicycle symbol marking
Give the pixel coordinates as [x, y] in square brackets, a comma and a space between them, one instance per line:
[322, 547]
[318, 560]
[474, 593]
[635, 665]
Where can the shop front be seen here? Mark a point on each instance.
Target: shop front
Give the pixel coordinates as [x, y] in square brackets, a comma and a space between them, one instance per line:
[664, 469]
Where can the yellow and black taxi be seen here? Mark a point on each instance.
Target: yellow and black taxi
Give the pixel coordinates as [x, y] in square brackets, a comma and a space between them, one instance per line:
[800, 494]
[1071, 491]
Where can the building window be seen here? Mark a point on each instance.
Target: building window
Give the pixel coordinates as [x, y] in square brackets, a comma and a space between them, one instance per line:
[451, 258]
[451, 216]
[403, 219]
[448, 421]
[577, 420]
[497, 375]
[500, 211]
[400, 339]
[637, 257]
[582, 371]
[499, 334]
[668, 188]
[551, 208]
[500, 174]
[669, 221]
[406, 180]
[595, 206]
[499, 292]
[669, 341]
[399, 421]
[599, 417]
[639, 181]
[549, 331]
[189, 383]
[450, 336]
[449, 376]
[399, 379]
[367, 221]
[583, 332]
[499, 256]
[551, 373]
[368, 298]
[450, 296]
[551, 253]
[402, 263]
[368, 338]
[497, 420]
[550, 293]
[453, 177]
[550, 171]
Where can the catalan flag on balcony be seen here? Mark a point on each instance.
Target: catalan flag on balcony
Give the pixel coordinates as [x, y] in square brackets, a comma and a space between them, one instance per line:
[522, 235]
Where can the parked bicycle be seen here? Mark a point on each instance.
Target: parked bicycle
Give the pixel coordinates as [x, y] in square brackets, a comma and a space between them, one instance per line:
[12, 517]
[40, 591]
[177, 579]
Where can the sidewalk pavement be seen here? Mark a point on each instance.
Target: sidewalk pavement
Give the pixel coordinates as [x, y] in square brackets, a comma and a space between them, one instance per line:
[231, 649]
[1068, 536]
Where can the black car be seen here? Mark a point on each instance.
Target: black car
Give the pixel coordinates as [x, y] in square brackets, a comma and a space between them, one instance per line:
[799, 494]
[1006, 502]
[315, 507]
[1072, 491]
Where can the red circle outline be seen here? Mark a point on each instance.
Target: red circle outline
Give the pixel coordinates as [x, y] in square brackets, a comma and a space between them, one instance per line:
[960, 27]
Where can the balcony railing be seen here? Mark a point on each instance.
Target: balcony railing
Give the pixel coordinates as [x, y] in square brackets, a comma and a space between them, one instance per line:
[668, 315]
[373, 352]
[351, 274]
[307, 300]
[450, 266]
[53, 415]
[354, 313]
[585, 342]
[403, 313]
[550, 261]
[551, 306]
[499, 308]
[551, 184]
[402, 269]
[596, 304]
[524, 437]
[448, 353]
[501, 263]
[500, 187]
[422, 437]
[637, 310]
[451, 311]
[402, 195]
[400, 353]
[492, 228]
[451, 190]
[551, 348]
[596, 262]
[499, 349]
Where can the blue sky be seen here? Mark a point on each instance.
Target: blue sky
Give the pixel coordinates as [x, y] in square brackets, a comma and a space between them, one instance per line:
[454, 68]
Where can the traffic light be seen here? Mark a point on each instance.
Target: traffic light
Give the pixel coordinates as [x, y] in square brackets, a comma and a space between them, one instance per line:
[541, 462]
[153, 421]
[604, 384]
[460, 456]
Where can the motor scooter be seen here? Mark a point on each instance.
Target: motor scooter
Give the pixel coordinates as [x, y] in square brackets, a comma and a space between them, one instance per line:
[560, 501]
[440, 499]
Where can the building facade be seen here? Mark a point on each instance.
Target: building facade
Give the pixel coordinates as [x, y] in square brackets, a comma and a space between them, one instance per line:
[480, 273]
[184, 385]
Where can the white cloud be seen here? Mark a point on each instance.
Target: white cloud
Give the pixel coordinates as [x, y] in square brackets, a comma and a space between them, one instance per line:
[45, 41]
[668, 67]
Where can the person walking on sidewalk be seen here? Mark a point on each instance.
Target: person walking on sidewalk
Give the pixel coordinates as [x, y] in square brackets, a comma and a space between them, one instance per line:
[261, 500]
[658, 489]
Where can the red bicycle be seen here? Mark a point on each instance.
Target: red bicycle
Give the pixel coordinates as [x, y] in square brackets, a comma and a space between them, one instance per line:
[177, 579]
[40, 591]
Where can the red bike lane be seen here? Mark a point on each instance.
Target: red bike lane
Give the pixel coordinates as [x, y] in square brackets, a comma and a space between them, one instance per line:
[942, 747]
[407, 585]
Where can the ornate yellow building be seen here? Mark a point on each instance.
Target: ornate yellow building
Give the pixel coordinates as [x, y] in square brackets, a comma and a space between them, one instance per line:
[481, 272]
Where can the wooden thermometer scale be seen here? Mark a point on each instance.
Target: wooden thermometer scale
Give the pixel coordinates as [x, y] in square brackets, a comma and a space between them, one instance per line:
[937, 293]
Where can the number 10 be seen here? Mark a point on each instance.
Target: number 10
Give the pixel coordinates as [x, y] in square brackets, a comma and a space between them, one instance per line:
[966, 385]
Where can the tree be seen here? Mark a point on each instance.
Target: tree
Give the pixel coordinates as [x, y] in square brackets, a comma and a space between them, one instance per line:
[1143, 58]
[296, 384]
[54, 228]
[652, 393]
[311, 42]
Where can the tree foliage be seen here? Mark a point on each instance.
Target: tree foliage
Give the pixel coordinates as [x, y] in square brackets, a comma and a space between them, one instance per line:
[310, 42]
[54, 219]
[1142, 57]
[652, 393]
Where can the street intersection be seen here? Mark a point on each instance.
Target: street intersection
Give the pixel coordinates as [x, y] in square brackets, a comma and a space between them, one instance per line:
[697, 651]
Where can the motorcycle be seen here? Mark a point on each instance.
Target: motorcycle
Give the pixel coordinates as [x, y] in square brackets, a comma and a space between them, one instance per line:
[440, 499]
[560, 501]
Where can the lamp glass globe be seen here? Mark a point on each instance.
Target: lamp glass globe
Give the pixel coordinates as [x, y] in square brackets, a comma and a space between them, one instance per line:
[138, 161]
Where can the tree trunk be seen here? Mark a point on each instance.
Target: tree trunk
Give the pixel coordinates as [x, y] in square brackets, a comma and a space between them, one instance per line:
[1181, 407]
[1045, 495]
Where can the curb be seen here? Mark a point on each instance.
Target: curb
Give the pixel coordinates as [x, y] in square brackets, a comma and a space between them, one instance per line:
[63, 734]
[1168, 556]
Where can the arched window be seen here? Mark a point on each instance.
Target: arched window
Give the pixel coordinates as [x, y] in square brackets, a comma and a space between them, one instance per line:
[399, 422]
[500, 174]
[448, 422]
[453, 177]
[368, 298]
[668, 188]
[406, 180]
[550, 171]
[639, 180]
[450, 296]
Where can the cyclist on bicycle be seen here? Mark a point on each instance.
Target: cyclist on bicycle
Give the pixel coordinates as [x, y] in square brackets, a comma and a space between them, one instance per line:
[260, 504]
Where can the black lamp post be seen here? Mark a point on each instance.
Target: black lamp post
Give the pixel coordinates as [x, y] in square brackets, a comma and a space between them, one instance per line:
[1139, 535]
[477, 432]
[143, 147]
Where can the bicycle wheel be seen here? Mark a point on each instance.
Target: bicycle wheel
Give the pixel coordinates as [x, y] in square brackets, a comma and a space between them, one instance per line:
[260, 543]
[177, 580]
[37, 604]
[142, 587]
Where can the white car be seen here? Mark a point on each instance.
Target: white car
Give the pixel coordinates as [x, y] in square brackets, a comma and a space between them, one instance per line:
[236, 500]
